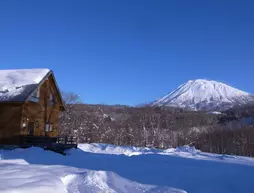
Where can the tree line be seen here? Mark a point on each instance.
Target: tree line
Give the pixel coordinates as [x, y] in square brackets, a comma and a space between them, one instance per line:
[159, 127]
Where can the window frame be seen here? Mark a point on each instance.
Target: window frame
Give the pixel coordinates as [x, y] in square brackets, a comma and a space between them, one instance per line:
[37, 124]
[52, 100]
[48, 127]
[36, 96]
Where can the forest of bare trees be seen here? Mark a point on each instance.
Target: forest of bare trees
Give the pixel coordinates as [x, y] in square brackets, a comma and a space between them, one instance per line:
[158, 127]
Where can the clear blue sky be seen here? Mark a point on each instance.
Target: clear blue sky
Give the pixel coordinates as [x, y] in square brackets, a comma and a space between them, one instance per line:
[130, 52]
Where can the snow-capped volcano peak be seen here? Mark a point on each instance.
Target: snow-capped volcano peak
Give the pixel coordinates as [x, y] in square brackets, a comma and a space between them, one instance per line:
[202, 94]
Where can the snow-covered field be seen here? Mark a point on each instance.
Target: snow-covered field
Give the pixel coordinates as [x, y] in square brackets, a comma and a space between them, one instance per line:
[108, 168]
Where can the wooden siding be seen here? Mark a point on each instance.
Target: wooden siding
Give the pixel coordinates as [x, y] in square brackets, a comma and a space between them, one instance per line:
[10, 120]
[43, 111]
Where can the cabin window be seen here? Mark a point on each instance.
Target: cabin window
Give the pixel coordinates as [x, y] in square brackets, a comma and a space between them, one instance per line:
[24, 124]
[35, 97]
[37, 124]
[48, 127]
[52, 99]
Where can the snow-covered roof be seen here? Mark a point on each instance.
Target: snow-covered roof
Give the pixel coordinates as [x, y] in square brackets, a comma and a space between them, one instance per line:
[16, 85]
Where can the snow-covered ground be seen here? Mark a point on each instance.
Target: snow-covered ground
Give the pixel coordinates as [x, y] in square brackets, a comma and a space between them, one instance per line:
[109, 168]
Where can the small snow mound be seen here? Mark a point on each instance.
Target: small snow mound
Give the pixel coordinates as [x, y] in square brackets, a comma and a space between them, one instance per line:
[111, 149]
[215, 113]
[187, 149]
[104, 181]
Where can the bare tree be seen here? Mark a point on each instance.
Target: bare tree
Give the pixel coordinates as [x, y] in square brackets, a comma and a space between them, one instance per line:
[70, 119]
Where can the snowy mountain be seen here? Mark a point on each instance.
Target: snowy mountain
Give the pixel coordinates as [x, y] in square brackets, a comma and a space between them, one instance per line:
[204, 94]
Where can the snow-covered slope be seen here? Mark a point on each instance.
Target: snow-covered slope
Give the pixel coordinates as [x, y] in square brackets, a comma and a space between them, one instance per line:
[204, 94]
[102, 168]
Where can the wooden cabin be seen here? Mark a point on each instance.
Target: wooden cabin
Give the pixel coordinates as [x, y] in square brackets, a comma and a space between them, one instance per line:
[30, 104]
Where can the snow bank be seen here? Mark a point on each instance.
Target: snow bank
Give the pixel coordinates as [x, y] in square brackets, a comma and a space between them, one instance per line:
[109, 168]
[184, 151]
[18, 177]
[116, 150]
[22, 178]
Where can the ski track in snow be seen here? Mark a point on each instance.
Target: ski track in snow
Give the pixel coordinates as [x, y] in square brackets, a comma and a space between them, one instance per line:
[114, 169]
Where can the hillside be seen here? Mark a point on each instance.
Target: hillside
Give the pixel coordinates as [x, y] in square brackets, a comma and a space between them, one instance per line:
[161, 127]
[144, 126]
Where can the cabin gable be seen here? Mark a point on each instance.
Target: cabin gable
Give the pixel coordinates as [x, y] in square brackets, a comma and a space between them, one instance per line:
[30, 105]
[40, 113]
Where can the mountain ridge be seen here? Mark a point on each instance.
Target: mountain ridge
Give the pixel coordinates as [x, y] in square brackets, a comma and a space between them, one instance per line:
[203, 94]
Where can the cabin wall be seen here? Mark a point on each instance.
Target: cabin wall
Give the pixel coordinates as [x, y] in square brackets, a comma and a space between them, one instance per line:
[42, 112]
[10, 119]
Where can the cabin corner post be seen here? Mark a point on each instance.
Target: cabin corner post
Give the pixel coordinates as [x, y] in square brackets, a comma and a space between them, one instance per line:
[46, 106]
[23, 121]
[23, 124]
